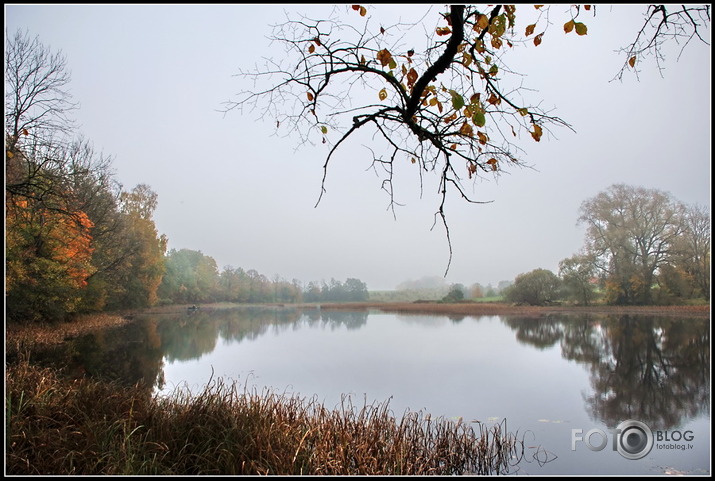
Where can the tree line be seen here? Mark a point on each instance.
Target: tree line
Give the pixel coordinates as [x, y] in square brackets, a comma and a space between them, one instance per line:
[193, 277]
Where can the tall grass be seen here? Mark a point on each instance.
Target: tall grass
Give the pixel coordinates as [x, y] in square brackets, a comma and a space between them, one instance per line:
[64, 426]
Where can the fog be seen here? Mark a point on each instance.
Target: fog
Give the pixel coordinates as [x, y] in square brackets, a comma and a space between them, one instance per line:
[151, 81]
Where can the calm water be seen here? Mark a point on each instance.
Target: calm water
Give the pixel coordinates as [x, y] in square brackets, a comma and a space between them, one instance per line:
[553, 379]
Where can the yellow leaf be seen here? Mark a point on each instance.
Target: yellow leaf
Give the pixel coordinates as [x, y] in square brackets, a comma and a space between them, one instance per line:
[568, 26]
[9, 154]
[581, 28]
[382, 94]
[530, 29]
[632, 61]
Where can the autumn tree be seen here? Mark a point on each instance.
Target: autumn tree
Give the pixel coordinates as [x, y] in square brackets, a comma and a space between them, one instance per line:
[454, 107]
[631, 232]
[140, 278]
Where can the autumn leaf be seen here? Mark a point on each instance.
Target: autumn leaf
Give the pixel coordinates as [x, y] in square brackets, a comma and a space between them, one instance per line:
[568, 26]
[363, 11]
[443, 31]
[581, 28]
[587, 7]
[482, 138]
[530, 29]
[466, 130]
[310, 97]
[536, 134]
[311, 48]
[384, 57]
[537, 39]
[632, 61]
[493, 163]
[411, 77]
[382, 94]
[482, 22]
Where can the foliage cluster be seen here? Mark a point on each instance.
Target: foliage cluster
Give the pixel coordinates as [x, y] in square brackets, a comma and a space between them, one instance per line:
[75, 239]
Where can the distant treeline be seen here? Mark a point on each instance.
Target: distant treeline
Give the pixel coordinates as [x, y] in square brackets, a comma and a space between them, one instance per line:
[192, 277]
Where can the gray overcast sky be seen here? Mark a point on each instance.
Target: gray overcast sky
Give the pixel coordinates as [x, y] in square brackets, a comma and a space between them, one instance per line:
[151, 80]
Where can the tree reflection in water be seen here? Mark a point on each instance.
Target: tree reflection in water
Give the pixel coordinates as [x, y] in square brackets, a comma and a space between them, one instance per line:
[652, 369]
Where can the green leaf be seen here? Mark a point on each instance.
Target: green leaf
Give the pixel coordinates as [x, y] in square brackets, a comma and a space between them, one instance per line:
[324, 129]
[457, 100]
[479, 119]
[581, 28]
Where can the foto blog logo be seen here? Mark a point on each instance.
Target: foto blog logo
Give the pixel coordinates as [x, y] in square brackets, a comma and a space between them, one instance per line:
[632, 439]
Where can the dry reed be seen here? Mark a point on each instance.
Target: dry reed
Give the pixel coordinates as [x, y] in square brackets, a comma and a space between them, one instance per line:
[64, 426]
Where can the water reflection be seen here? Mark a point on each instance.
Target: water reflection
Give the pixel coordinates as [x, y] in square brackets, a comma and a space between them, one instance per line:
[656, 370]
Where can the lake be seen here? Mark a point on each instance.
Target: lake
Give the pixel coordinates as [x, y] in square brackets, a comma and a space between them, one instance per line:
[592, 394]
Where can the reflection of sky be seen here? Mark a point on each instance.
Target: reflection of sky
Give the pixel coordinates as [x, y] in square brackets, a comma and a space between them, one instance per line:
[474, 369]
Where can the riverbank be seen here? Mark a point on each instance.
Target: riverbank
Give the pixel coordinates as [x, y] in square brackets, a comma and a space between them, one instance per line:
[493, 309]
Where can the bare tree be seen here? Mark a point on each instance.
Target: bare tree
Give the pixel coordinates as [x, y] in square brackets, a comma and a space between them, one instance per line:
[38, 150]
[454, 108]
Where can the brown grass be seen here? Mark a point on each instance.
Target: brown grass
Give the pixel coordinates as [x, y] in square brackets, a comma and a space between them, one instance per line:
[62, 426]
